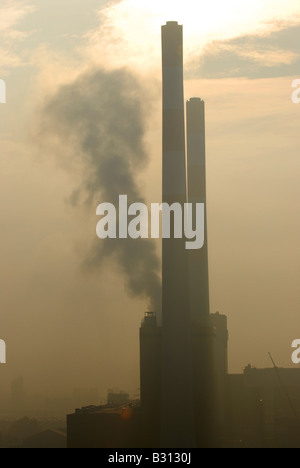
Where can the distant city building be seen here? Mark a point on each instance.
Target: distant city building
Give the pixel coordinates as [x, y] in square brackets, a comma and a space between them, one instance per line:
[57, 407]
[18, 396]
[49, 438]
[105, 427]
[85, 397]
[116, 398]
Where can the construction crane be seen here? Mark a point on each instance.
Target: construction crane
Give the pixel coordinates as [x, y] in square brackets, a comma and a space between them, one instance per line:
[294, 411]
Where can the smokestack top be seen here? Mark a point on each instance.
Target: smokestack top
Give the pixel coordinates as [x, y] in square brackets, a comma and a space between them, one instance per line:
[172, 55]
[173, 25]
[195, 99]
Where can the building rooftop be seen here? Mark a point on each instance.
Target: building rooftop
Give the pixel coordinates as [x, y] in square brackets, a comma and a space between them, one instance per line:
[107, 409]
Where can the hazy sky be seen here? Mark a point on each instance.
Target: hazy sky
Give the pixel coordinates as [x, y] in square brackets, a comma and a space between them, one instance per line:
[71, 63]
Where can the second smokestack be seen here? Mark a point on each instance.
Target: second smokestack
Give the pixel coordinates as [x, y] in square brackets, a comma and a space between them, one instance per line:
[198, 259]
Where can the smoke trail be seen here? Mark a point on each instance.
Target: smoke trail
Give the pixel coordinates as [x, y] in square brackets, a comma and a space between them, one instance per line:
[101, 115]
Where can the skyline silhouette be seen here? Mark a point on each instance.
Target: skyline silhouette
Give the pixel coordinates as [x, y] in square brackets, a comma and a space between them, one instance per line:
[57, 289]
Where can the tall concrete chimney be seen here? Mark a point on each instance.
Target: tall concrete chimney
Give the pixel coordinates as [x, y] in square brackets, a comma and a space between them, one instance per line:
[203, 334]
[198, 259]
[178, 426]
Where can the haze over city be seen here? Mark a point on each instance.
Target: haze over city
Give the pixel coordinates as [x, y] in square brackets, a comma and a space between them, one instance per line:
[76, 74]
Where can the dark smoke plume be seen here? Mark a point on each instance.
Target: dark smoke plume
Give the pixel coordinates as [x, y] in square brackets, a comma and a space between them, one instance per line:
[101, 116]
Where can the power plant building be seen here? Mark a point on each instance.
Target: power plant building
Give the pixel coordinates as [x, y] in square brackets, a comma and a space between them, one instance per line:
[188, 400]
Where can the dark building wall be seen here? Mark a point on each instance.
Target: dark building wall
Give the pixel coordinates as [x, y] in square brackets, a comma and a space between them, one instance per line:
[151, 380]
[220, 364]
[101, 429]
[203, 378]
[204, 386]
